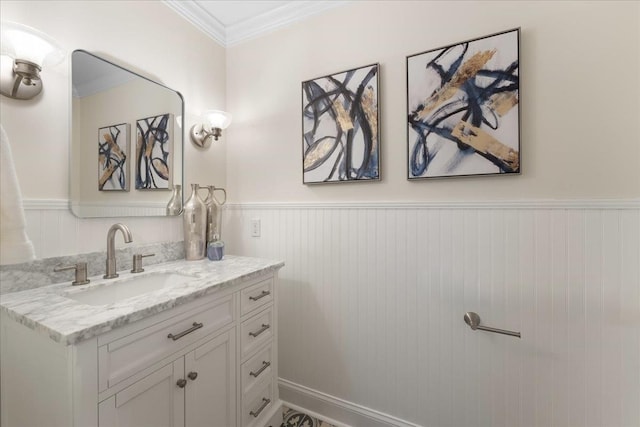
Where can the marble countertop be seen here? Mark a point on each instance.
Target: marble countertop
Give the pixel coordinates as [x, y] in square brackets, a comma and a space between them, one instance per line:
[50, 311]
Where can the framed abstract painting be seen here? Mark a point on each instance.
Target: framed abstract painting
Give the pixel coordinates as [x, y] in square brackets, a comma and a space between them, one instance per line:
[340, 127]
[113, 152]
[154, 153]
[463, 108]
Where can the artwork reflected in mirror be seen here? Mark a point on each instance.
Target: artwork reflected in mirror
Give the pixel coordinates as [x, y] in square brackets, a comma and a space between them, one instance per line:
[153, 152]
[113, 152]
[137, 169]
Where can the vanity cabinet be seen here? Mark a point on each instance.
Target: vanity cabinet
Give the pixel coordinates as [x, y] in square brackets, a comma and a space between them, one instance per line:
[209, 362]
[196, 389]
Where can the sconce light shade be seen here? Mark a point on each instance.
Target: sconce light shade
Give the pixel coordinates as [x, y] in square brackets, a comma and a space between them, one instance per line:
[214, 122]
[25, 51]
[217, 119]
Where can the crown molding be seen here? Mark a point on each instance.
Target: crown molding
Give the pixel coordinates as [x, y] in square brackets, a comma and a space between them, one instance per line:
[196, 15]
[277, 18]
[250, 28]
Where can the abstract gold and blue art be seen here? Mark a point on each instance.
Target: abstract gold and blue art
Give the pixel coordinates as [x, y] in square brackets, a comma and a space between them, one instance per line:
[462, 108]
[340, 134]
[113, 151]
[153, 152]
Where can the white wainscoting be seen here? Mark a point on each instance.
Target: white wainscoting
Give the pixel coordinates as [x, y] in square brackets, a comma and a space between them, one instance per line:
[55, 231]
[373, 297]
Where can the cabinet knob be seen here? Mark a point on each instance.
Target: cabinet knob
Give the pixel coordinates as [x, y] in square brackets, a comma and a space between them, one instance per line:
[181, 382]
[192, 375]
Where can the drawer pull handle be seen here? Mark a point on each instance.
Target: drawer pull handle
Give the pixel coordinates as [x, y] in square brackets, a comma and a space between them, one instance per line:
[265, 365]
[195, 326]
[262, 295]
[265, 402]
[192, 375]
[259, 331]
[181, 383]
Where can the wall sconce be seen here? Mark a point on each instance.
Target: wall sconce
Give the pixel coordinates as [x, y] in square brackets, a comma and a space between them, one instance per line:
[25, 51]
[214, 122]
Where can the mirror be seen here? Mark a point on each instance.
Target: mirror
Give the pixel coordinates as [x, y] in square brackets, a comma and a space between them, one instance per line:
[126, 150]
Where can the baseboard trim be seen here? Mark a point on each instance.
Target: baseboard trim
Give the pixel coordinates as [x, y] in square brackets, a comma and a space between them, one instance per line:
[334, 410]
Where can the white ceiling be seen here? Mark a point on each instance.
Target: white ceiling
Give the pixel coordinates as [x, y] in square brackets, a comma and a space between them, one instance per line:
[230, 22]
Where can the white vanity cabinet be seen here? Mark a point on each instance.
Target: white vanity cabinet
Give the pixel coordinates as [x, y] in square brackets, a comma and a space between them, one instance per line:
[258, 370]
[209, 362]
[197, 389]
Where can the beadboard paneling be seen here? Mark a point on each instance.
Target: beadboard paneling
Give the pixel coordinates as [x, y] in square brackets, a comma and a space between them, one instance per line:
[55, 231]
[373, 297]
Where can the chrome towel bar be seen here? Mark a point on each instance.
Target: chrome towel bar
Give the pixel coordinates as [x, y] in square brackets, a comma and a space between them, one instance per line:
[473, 320]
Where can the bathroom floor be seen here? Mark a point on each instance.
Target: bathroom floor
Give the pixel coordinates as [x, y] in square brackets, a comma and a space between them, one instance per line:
[293, 418]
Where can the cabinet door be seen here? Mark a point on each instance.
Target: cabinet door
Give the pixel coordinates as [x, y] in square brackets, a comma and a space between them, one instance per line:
[155, 400]
[211, 389]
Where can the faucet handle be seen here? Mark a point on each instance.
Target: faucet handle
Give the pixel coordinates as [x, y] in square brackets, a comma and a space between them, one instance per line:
[81, 272]
[137, 262]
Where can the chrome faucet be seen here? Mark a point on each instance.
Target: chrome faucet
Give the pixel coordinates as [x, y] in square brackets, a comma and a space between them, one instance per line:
[111, 248]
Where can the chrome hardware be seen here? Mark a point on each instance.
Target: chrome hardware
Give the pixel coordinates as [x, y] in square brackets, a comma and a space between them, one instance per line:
[265, 365]
[259, 331]
[111, 248]
[473, 320]
[223, 192]
[262, 295]
[195, 326]
[181, 383]
[137, 262]
[192, 375]
[265, 402]
[81, 272]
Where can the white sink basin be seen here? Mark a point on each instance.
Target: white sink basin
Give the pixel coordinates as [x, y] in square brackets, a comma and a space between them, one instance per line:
[119, 290]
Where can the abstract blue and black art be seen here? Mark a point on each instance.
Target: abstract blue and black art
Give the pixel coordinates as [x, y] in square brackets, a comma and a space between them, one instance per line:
[153, 152]
[340, 134]
[113, 151]
[462, 108]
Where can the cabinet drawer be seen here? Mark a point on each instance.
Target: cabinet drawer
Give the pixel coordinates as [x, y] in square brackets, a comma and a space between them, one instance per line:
[256, 406]
[123, 357]
[256, 369]
[256, 296]
[256, 331]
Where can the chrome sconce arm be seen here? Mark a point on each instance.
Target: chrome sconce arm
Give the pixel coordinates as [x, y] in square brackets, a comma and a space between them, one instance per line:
[22, 80]
[202, 137]
[25, 51]
[214, 122]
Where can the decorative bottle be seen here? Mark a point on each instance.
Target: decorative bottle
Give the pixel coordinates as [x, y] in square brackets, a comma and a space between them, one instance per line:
[194, 220]
[211, 215]
[218, 212]
[174, 207]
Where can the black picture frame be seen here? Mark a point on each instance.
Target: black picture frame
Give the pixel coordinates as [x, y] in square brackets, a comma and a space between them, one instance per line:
[341, 127]
[463, 114]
